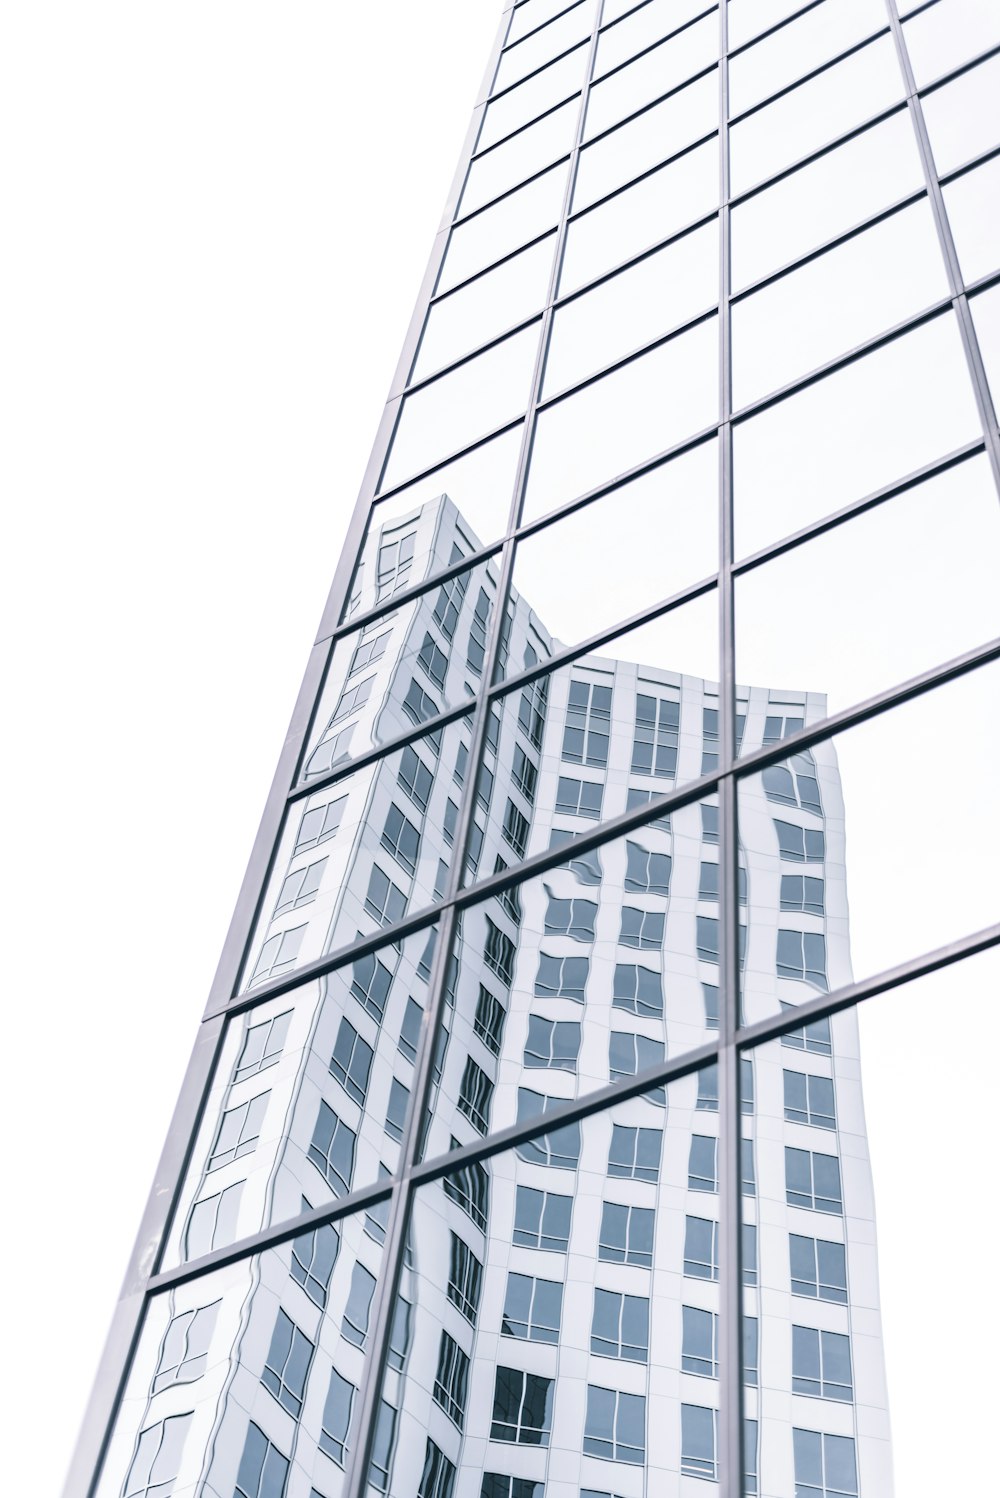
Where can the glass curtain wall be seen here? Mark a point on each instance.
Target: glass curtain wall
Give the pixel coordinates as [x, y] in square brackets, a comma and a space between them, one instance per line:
[549, 1126]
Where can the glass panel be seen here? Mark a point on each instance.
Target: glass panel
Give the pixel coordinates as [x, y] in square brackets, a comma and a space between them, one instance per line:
[481, 484]
[523, 154]
[531, 98]
[630, 549]
[644, 26]
[615, 423]
[797, 48]
[904, 405]
[531, 15]
[652, 137]
[482, 308]
[538, 1307]
[405, 667]
[663, 68]
[841, 817]
[454, 410]
[822, 200]
[836, 301]
[322, 894]
[948, 34]
[962, 118]
[661, 204]
[517, 61]
[986, 316]
[973, 204]
[242, 1370]
[633, 308]
[748, 18]
[818, 111]
[940, 540]
[841, 1351]
[595, 738]
[489, 236]
[333, 1084]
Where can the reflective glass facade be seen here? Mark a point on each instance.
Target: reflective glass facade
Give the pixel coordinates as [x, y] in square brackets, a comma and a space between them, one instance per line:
[524, 1150]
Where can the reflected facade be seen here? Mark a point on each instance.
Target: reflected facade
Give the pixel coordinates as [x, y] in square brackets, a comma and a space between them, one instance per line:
[523, 1152]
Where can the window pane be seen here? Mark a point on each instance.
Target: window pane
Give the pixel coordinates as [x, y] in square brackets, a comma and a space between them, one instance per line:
[625, 417]
[488, 236]
[962, 117]
[655, 73]
[835, 302]
[532, 97]
[633, 308]
[521, 156]
[748, 18]
[563, 32]
[797, 48]
[948, 34]
[644, 25]
[485, 307]
[651, 137]
[530, 16]
[904, 404]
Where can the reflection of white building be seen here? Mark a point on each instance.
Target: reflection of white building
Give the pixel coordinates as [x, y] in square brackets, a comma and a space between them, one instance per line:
[556, 1330]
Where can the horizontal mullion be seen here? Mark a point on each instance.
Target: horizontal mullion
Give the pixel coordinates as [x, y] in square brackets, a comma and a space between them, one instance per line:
[844, 237]
[573, 653]
[973, 288]
[416, 590]
[535, 118]
[816, 72]
[957, 72]
[477, 275]
[636, 259]
[512, 46]
[858, 507]
[829, 146]
[616, 192]
[774, 1026]
[651, 46]
[380, 751]
[636, 114]
[509, 88]
[973, 163]
[705, 315]
[510, 191]
[446, 459]
[481, 348]
[777, 26]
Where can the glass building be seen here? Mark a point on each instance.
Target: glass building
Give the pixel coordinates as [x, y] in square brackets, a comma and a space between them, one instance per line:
[523, 1150]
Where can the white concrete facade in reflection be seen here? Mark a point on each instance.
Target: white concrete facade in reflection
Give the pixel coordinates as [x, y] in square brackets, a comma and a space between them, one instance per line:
[556, 1324]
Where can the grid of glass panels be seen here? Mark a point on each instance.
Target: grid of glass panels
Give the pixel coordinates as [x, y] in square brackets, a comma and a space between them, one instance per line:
[713, 272]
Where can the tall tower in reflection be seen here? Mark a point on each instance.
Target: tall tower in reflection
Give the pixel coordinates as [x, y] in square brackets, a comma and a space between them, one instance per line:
[506, 1166]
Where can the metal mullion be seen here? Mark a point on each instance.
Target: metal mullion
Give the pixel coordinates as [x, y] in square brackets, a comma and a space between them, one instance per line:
[967, 330]
[953, 73]
[356, 1478]
[550, 62]
[391, 491]
[480, 348]
[477, 275]
[510, 46]
[650, 171]
[652, 46]
[424, 730]
[357, 622]
[816, 72]
[801, 162]
[509, 192]
[730, 1323]
[535, 119]
[636, 259]
[645, 108]
[972, 165]
[705, 315]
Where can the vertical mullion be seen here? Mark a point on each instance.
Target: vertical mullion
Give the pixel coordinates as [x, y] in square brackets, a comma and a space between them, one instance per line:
[356, 1479]
[956, 283]
[730, 1272]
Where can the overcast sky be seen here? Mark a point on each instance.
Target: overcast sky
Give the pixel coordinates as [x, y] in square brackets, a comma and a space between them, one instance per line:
[218, 217]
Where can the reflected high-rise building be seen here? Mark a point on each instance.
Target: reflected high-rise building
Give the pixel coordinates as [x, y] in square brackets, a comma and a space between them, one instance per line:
[523, 1150]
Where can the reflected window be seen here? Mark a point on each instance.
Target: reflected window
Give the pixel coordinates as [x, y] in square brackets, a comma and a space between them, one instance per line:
[516, 828]
[525, 773]
[498, 953]
[331, 1150]
[495, 1485]
[813, 1037]
[384, 902]
[332, 748]
[337, 1418]
[475, 1096]
[750, 1253]
[351, 1062]
[320, 824]
[552, 1043]
[395, 1112]
[748, 1171]
[794, 783]
[620, 1327]
[809, 1100]
[700, 1344]
[262, 1045]
[802, 955]
[370, 648]
[572, 918]
[489, 1021]
[433, 660]
[213, 1220]
[542, 1220]
[395, 561]
[400, 838]
[812, 1181]
[239, 1131]
[751, 1343]
[588, 724]
[641, 928]
[278, 954]
[451, 1381]
[821, 1364]
[703, 1172]
[627, 1235]
[532, 1309]
[647, 872]
[470, 1189]
[465, 1279]
[825, 1465]
[560, 1147]
[184, 1352]
[263, 1469]
[638, 989]
[801, 892]
[635, 1153]
[409, 1034]
[287, 1364]
[654, 746]
[414, 778]
[639, 797]
[522, 1408]
[157, 1459]
[382, 1443]
[313, 1257]
[562, 977]
[579, 798]
[354, 1327]
[417, 705]
[616, 1426]
[701, 1248]
[709, 823]
[818, 1268]
[370, 985]
[710, 998]
[437, 1480]
[477, 634]
[800, 844]
[450, 598]
[629, 1054]
[531, 710]
[698, 1446]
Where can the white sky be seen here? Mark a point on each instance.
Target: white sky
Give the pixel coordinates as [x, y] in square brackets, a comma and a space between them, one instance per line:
[218, 217]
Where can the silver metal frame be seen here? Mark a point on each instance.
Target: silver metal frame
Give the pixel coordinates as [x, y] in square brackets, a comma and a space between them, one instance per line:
[145, 1276]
